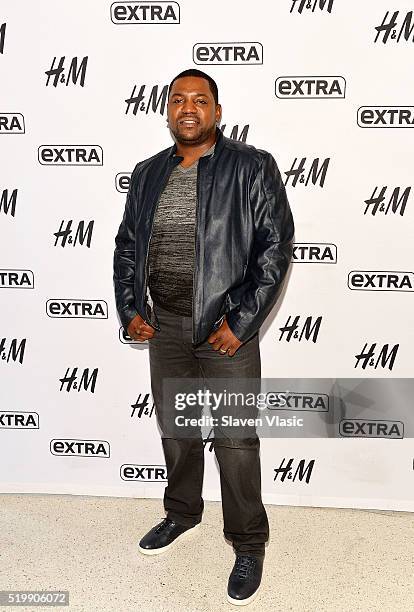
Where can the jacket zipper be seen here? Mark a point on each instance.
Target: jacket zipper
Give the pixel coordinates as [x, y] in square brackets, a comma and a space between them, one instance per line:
[195, 251]
[148, 245]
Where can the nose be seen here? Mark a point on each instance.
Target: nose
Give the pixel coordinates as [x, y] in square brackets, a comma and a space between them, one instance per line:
[189, 107]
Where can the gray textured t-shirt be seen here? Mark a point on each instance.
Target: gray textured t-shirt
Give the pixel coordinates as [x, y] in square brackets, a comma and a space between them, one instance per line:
[172, 246]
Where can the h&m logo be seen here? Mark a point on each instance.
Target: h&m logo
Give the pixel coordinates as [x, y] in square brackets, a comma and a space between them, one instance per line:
[317, 171]
[395, 201]
[385, 355]
[68, 236]
[70, 380]
[311, 5]
[389, 28]
[73, 74]
[7, 203]
[13, 352]
[2, 36]
[308, 331]
[286, 471]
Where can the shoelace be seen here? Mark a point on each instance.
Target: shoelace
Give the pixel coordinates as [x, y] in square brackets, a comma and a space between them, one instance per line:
[244, 565]
[165, 523]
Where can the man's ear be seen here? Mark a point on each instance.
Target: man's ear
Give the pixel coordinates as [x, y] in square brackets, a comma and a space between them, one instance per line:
[218, 119]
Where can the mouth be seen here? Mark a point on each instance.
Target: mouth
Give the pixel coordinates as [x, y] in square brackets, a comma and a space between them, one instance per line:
[188, 122]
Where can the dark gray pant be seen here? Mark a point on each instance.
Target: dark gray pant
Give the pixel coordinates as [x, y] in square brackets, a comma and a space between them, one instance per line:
[173, 356]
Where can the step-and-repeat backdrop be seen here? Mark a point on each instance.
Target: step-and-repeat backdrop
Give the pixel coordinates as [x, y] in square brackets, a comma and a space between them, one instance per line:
[326, 87]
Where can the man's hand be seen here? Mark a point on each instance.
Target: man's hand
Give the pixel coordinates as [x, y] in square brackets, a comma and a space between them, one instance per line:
[139, 330]
[224, 340]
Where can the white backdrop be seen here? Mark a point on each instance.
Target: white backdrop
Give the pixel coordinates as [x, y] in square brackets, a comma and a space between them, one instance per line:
[316, 83]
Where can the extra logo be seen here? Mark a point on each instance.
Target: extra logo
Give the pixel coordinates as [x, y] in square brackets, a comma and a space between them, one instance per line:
[70, 155]
[77, 309]
[145, 12]
[310, 87]
[385, 116]
[314, 252]
[365, 280]
[16, 279]
[80, 448]
[19, 420]
[364, 428]
[313, 402]
[12, 123]
[228, 53]
[122, 181]
[144, 473]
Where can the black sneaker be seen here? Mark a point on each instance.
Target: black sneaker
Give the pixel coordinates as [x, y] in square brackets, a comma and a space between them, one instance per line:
[161, 537]
[244, 580]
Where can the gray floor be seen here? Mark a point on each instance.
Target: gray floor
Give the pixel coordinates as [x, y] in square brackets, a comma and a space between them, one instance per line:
[317, 559]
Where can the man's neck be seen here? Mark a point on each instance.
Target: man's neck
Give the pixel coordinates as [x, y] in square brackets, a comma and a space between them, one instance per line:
[193, 152]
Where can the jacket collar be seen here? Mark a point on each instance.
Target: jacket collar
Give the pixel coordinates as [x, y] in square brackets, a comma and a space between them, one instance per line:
[219, 144]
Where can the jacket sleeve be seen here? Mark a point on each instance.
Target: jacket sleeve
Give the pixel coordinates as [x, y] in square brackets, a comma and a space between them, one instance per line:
[124, 260]
[271, 253]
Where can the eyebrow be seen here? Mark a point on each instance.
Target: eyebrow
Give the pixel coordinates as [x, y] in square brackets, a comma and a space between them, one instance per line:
[197, 94]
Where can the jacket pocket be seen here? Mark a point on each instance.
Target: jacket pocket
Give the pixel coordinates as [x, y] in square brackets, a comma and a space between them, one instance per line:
[224, 308]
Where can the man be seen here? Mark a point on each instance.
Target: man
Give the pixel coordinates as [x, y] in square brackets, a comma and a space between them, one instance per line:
[200, 258]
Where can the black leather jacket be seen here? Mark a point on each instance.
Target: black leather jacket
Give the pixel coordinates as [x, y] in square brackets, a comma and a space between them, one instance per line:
[243, 245]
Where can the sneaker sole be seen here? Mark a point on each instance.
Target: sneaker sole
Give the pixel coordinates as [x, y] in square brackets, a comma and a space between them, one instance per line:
[159, 551]
[244, 602]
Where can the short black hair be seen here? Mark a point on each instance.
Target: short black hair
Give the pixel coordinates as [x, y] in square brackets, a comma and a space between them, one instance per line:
[197, 73]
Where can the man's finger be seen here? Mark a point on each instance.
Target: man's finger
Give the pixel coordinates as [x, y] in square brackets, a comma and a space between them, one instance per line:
[231, 350]
[214, 336]
[223, 350]
[144, 334]
[219, 344]
[141, 337]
